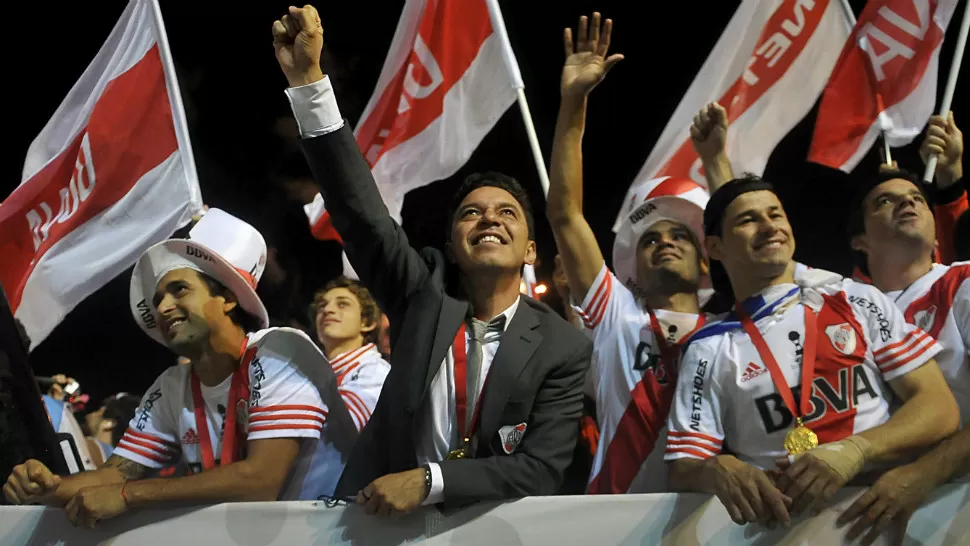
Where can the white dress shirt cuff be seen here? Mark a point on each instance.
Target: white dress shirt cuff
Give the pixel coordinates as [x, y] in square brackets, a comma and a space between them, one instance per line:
[315, 108]
[437, 493]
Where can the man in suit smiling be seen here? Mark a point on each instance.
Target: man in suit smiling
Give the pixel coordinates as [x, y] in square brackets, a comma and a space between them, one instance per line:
[485, 389]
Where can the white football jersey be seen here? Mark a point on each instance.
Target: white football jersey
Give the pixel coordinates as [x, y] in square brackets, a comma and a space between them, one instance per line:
[939, 304]
[633, 386]
[726, 400]
[360, 377]
[283, 403]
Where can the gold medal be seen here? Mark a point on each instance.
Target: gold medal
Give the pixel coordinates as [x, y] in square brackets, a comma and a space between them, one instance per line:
[800, 439]
[463, 451]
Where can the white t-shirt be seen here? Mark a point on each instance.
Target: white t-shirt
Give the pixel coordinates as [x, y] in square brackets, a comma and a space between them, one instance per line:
[939, 304]
[282, 403]
[726, 399]
[633, 388]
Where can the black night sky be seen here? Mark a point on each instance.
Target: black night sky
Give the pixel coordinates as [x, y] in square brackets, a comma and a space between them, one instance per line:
[239, 119]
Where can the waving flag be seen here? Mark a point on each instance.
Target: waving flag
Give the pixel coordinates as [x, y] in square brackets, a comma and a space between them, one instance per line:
[767, 70]
[885, 80]
[448, 77]
[109, 175]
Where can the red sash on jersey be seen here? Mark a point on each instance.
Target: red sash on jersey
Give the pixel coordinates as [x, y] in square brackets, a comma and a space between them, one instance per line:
[777, 377]
[465, 428]
[234, 436]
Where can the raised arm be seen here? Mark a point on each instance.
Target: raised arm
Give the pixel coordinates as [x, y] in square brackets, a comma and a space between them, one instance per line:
[586, 65]
[708, 134]
[375, 244]
[945, 140]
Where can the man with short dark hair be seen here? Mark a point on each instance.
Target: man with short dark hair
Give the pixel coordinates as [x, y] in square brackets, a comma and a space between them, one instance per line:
[744, 380]
[894, 230]
[458, 322]
[243, 414]
[106, 425]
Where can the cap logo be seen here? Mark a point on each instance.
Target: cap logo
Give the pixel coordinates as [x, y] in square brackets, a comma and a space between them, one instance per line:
[198, 253]
[146, 315]
[642, 212]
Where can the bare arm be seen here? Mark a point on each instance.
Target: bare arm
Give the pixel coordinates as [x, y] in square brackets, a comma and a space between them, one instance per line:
[929, 414]
[259, 477]
[583, 69]
[708, 134]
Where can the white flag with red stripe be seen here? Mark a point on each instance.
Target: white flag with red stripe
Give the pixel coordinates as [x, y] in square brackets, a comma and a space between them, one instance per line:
[885, 80]
[448, 77]
[109, 175]
[767, 69]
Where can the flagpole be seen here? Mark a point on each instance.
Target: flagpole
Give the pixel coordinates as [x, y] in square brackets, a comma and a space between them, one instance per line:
[530, 131]
[951, 83]
[175, 101]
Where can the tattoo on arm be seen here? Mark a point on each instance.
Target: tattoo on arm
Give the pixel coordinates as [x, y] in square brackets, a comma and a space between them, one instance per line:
[129, 469]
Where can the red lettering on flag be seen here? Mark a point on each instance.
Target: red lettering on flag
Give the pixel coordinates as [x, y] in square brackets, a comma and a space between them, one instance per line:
[782, 40]
[130, 132]
[449, 38]
[901, 36]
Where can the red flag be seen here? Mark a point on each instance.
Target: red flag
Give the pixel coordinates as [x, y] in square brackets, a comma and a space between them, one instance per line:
[448, 77]
[884, 80]
[107, 177]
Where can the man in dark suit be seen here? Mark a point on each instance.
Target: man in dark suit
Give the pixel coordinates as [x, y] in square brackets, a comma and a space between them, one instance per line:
[457, 319]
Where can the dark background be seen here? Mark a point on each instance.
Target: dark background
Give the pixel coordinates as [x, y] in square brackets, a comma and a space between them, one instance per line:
[238, 114]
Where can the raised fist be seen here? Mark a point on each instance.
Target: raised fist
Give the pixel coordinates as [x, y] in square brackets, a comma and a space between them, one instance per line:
[708, 132]
[944, 140]
[30, 483]
[298, 40]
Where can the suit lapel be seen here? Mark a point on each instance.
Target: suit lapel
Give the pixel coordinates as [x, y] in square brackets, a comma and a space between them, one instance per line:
[519, 342]
[452, 315]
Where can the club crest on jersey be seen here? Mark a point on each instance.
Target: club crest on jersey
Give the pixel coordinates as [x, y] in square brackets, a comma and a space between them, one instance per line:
[511, 436]
[190, 437]
[842, 337]
[924, 319]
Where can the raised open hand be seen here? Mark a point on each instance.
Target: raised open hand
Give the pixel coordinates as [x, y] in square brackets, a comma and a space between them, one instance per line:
[586, 61]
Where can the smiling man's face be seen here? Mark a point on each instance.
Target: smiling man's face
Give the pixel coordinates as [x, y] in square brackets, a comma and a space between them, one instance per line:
[188, 311]
[489, 231]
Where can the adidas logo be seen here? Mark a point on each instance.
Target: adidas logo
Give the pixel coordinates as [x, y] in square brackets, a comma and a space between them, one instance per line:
[752, 371]
[190, 437]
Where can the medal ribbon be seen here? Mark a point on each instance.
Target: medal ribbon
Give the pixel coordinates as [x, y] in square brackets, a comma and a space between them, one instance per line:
[460, 352]
[233, 439]
[777, 377]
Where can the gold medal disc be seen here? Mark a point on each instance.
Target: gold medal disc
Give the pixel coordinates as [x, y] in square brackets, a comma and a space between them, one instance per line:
[800, 439]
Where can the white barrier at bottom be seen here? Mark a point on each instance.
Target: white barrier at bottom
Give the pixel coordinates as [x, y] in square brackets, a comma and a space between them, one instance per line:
[629, 519]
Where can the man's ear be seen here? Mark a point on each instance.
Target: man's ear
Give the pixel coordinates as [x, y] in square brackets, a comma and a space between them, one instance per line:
[366, 328]
[858, 242]
[230, 302]
[530, 253]
[705, 268]
[108, 424]
[715, 247]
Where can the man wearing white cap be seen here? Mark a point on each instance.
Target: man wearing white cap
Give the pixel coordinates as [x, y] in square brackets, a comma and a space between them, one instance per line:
[243, 415]
[638, 318]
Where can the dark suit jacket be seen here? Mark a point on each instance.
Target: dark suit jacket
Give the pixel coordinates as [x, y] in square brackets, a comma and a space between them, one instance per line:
[536, 377]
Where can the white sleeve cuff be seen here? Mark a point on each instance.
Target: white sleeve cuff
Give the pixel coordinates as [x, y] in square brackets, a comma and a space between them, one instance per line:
[315, 108]
[437, 493]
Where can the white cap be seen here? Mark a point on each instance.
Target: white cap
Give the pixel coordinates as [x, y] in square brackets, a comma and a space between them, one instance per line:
[673, 199]
[220, 246]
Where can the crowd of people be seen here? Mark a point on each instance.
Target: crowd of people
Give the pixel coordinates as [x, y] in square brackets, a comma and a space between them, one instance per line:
[432, 380]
